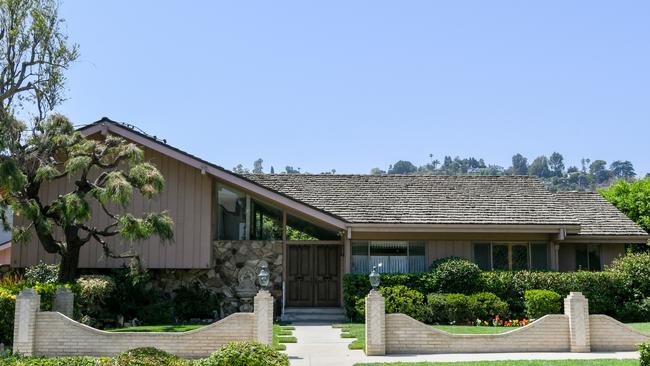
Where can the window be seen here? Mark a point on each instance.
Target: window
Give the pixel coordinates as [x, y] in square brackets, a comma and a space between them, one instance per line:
[394, 256]
[237, 216]
[511, 256]
[588, 257]
[299, 229]
[231, 214]
[266, 222]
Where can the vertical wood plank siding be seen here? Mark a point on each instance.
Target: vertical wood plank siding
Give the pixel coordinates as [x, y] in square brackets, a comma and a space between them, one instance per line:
[187, 196]
[446, 248]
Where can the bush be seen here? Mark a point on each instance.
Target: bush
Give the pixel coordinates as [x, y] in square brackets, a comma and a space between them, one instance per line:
[459, 309]
[487, 305]
[7, 310]
[457, 276]
[436, 309]
[635, 311]
[42, 273]
[94, 291]
[148, 356]
[634, 270]
[644, 349]
[434, 265]
[245, 354]
[541, 302]
[356, 287]
[401, 299]
[133, 297]
[195, 302]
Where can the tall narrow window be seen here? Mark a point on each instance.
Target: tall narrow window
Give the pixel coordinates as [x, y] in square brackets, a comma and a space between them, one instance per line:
[588, 257]
[538, 256]
[482, 256]
[266, 223]
[231, 214]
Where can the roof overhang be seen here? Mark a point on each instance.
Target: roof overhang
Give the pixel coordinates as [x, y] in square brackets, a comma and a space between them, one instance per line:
[208, 168]
[465, 228]
[613, 239]
[5, 245]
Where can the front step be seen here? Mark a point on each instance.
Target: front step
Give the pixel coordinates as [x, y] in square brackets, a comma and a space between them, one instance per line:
[314, 315]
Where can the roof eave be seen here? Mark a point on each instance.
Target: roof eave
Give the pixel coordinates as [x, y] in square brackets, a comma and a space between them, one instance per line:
[107, 126]
[613, 239]
[465, 228]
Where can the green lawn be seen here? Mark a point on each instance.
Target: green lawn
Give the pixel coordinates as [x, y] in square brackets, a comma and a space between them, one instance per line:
[281, 334]
[159, 328]
[517, 363]
[641, 327]
[358, 331]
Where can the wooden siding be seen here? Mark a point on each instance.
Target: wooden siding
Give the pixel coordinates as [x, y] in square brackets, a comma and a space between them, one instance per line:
[446, 248]
[188, 198]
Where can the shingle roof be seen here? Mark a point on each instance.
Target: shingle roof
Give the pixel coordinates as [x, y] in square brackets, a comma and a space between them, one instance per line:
[418, 199]
[597, 216]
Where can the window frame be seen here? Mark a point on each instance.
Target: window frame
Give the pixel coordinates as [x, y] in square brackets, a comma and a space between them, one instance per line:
[510, 245]
[367, 255]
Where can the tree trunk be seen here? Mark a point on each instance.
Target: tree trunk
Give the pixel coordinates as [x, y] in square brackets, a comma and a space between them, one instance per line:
[69, 269]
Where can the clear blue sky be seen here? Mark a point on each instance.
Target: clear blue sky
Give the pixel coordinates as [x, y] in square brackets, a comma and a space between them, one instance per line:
[352, 85]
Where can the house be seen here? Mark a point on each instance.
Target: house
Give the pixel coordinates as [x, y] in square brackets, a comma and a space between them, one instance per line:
[312, 229]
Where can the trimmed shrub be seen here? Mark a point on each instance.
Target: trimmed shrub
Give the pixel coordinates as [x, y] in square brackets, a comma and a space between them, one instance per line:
[7, 310]
[401, 299]
[245, 354]
[195, 302]
[459, 308]
[356, 287]
[148, 356]
[436, 309]
[644, 349]
[487, 305]
[42, 273]
[541, 302]
[457, 276]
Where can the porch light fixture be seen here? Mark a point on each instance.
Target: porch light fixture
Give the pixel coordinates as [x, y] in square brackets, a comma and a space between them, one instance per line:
[374, 278]
[263, 278]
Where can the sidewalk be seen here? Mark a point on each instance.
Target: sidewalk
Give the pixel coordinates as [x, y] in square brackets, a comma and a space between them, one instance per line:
[322, 345]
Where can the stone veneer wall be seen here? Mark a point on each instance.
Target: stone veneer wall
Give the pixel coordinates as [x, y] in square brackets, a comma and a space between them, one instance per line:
[228, 259]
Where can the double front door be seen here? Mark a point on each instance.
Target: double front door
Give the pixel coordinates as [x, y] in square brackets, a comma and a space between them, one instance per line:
[313, 275]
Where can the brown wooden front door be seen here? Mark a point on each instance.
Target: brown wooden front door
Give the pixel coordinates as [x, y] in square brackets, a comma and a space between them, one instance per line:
[313, 275]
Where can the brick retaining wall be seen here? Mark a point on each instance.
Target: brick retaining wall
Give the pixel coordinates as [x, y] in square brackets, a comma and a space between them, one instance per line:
[575, 331]
[54, 334]
[407, 335]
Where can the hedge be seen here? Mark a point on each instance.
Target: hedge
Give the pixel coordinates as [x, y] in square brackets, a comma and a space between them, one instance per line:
[605, 290]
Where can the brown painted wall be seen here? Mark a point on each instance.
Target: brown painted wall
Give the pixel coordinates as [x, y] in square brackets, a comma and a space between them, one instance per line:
[5, 256]
[187, 197]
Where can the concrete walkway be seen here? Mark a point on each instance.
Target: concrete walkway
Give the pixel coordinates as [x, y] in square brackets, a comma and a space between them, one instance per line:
[322, 345]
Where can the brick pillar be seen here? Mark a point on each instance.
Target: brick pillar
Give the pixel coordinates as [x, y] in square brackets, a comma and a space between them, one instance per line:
[576, 307]
[28, 303]
[375, 324]
[63, 302]
[263, 308]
